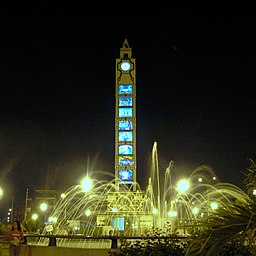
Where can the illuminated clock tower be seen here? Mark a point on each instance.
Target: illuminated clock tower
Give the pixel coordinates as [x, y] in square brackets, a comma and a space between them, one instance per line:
[125, 120]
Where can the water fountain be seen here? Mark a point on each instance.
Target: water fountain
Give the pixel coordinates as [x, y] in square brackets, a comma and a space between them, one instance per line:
[160, 206]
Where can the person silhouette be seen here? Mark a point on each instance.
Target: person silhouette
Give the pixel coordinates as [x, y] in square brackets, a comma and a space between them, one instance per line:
[15, 236]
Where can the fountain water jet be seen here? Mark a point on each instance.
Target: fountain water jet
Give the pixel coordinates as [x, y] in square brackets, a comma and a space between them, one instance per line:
[160, 206]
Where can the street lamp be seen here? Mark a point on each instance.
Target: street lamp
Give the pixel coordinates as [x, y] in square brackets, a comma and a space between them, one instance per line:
[10, 213]
[183, 185]
[214, 206]
[52, 219]
[88, 213]
[195, 210]
[34, 216]
[172, 214]
[86, 184]
[8, 217]
[43, 207]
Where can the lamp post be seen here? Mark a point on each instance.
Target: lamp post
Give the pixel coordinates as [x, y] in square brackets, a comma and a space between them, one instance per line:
[1, 193]
[43, 207]
[26, 205]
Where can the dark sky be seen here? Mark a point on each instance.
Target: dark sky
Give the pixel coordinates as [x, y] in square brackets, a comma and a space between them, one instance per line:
[195, 97]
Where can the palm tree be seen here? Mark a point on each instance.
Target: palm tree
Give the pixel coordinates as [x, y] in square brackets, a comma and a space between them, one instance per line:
[236, 221]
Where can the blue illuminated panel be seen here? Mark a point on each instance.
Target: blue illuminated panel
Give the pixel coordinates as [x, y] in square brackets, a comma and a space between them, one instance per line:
[118, 223]
[125, 136]
[125, 125]
[125, 112]
[125, 101]
[125, 149]
[125, 89]
[125, 174]
[125, 161]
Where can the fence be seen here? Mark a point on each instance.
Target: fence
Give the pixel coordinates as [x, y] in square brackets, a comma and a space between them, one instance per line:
[53, 241]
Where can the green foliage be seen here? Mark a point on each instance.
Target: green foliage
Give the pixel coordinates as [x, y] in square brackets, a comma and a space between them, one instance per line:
[156, 242]
[31, 225]
[178, 246]
[4, 229]
[160, 247]
[236, 222]
[232, 229]
[250, 180]
[237, 247]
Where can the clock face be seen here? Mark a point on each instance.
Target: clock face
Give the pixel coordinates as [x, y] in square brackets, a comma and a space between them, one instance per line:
[125, 66]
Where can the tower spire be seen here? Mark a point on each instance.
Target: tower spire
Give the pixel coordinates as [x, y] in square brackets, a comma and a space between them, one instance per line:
[125, 51]
[126, 44]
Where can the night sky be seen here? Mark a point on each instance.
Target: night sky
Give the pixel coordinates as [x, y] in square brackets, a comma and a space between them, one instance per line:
[195, 98]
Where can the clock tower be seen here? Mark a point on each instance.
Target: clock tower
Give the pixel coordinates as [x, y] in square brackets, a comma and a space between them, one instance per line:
[125, 120]
[126, 203]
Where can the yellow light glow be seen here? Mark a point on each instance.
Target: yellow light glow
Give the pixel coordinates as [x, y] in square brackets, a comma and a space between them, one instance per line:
[52, 219]
[86, 184]
[43, 206]
[214, 206]
[35, 216]
[172, 214]
[195, 210]
[88, 213]
[155, 211]
[183, 185]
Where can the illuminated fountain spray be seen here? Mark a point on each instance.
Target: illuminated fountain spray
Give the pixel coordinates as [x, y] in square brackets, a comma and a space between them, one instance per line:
[179, 202]
[171, 205]
[159, 191]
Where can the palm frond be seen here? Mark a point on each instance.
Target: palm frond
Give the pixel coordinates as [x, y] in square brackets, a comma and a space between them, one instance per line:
[224, 225]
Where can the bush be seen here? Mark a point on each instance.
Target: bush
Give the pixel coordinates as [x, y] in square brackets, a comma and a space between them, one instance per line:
[176, 247]
[172, 246]
[237, 247]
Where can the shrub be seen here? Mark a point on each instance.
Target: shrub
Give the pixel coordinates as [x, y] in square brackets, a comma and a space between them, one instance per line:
[149, 246]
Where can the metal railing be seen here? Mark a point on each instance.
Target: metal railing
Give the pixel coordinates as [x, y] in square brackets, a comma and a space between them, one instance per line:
[114, 239]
